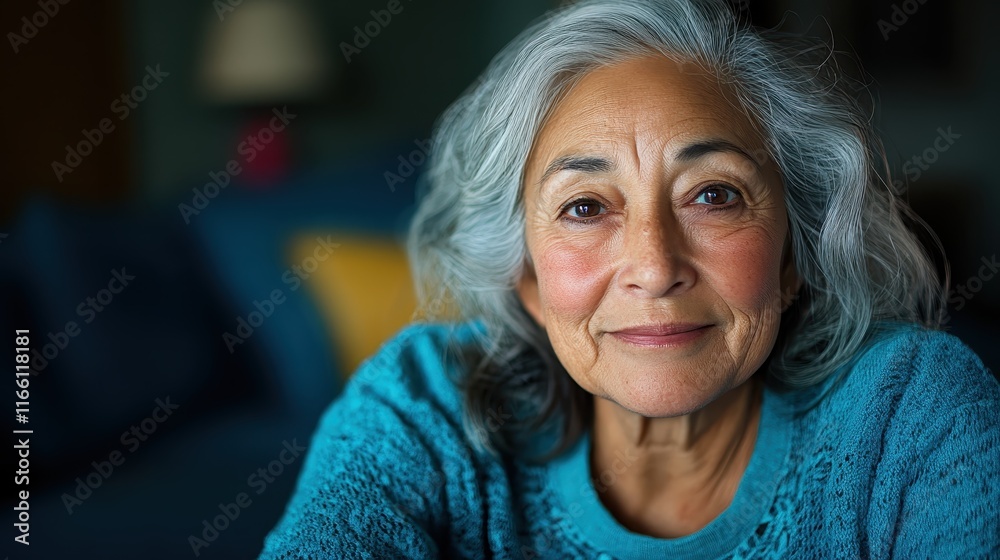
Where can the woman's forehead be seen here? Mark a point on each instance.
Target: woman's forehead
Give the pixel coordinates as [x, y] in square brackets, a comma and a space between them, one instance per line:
[652, 100]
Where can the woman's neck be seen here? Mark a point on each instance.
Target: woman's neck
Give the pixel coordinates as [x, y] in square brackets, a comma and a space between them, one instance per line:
[669, 477]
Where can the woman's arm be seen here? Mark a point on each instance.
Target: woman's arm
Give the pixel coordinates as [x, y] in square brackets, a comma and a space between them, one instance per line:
[359, 494]
[373, 484]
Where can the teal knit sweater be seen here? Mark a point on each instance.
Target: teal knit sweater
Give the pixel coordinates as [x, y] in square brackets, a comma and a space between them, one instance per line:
[901, 459]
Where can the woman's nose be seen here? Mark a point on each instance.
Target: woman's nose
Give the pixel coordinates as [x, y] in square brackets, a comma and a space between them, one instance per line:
[655, 260]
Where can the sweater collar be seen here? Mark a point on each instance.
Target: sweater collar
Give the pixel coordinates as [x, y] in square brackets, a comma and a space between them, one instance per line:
[569, 477]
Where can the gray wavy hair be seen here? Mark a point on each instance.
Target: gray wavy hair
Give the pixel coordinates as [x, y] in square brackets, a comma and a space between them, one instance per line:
[860, 264]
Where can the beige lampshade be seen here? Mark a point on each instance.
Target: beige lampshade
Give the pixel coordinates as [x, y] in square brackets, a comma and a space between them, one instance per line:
[262, 52]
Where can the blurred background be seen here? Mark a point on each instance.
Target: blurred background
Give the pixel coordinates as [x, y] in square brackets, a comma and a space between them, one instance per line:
[203, 207]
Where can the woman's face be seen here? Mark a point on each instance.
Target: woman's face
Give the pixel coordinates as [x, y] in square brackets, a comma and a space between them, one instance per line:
[656, 228]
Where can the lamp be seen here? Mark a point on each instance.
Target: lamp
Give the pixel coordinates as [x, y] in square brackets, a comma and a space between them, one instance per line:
[261, 55]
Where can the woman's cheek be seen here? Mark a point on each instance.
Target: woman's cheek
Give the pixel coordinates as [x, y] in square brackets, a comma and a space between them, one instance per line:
[572, 279]
[744, 269]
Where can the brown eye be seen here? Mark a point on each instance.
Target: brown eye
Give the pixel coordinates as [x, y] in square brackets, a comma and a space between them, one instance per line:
[583, 209]
[717, 195]
[586, 210]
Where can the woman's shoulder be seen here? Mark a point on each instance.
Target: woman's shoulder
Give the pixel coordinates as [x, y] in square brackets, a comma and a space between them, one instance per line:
[418, 369]
[914, 426]
[385, 454]
[422, 361]
[906, 388]
[429, 341]
[930, 366]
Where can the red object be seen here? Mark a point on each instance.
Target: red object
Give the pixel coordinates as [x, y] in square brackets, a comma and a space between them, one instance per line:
[263, 152]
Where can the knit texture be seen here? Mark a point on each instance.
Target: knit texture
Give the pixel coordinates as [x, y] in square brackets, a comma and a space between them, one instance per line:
[900, 459]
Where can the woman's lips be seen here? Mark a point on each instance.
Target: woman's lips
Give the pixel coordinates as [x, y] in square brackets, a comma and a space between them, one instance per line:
[661, 335]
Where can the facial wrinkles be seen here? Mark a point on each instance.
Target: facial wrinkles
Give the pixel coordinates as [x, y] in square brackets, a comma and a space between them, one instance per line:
[572, 269]
[752, 324]
[581, 265]
[578, 339]
[651, 218]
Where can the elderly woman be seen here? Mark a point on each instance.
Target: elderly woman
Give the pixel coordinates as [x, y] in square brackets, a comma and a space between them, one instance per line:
[693, 324]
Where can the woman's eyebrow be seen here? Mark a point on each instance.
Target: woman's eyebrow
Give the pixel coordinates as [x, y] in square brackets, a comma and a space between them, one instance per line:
[584, 164]
[596, 164]
[702, 148]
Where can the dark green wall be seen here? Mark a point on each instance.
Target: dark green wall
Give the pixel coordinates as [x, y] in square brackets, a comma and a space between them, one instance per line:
[394, 89]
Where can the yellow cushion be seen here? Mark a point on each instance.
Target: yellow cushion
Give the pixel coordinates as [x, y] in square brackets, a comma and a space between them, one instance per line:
[363, 290]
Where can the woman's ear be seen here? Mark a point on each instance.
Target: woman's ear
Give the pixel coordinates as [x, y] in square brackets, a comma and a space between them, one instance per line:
[527, 292]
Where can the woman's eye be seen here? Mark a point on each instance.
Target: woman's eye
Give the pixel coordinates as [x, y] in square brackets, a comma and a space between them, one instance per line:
[583, 209]
[717, 195]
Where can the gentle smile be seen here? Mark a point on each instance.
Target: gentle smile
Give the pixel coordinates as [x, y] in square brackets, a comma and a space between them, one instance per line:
[673, 334]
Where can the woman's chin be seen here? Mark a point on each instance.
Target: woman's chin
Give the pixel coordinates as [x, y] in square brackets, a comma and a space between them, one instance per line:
[654, 400]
